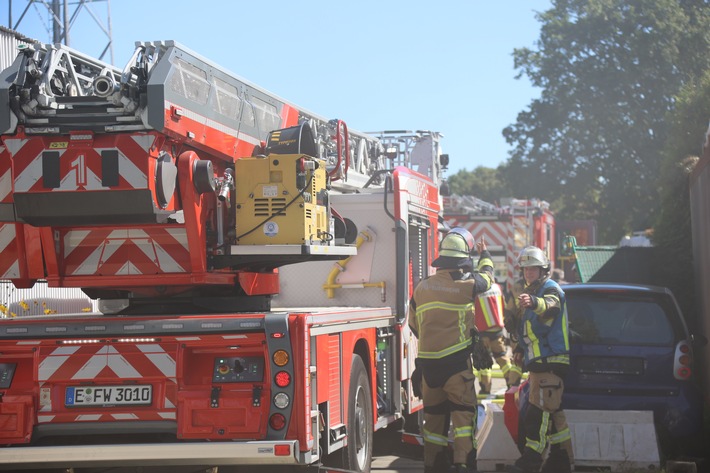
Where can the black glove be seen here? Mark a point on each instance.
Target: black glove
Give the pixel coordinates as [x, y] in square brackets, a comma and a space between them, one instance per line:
[511, 327]
[416, 380]
[482, 358]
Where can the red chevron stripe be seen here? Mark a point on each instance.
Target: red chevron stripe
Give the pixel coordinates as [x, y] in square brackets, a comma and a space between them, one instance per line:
[30, 151]
[9, 254]
[140, 360]
[5, 166]
[73, 363]
[83, 250]
[171, 246]
[129, 252]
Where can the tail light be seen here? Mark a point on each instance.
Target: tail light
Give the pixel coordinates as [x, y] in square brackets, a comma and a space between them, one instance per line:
[282, 379]
[277, 421]
[683, 361]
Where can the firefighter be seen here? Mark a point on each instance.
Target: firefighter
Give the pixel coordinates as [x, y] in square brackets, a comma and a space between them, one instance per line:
[543, 350]
[441, 315]
[489, 321]
[512, 315]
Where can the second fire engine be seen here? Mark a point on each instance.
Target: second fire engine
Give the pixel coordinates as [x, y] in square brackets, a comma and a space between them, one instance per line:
[508, 228]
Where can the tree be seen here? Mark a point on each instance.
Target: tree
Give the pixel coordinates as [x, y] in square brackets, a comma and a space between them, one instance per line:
[609, 71]
[483, 183]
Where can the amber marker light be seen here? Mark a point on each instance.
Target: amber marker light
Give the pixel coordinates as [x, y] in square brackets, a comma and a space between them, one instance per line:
[280, 358]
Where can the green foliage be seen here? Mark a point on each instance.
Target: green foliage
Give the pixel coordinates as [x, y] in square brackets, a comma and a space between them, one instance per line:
[483, 183]
[672, 231]
[609, 71]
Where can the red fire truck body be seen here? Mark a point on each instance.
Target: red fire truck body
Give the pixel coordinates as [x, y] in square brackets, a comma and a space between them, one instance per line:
[253, 264]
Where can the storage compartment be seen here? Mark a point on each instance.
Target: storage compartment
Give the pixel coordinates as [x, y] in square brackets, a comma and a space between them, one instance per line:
[16, 414]
[222, 413]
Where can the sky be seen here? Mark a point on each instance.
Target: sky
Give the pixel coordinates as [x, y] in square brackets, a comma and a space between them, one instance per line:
[443, 66]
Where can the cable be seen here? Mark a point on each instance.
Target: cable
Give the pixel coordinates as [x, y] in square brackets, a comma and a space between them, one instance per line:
[307, 186]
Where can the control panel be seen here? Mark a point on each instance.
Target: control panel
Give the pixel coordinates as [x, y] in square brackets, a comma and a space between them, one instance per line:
[238, 369]
[7, 371]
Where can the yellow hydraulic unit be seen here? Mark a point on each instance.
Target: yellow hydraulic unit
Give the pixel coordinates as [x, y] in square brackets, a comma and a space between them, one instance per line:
[282, 206]
[281, 199]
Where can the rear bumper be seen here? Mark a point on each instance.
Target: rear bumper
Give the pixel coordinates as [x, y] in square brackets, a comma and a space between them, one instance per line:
[680, 414]
[164, 454]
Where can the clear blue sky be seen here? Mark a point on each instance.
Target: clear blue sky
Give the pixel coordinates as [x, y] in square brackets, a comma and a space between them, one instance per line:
[445, 66]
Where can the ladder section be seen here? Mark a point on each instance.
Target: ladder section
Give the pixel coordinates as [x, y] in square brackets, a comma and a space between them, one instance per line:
[417, 150]
[52, 89]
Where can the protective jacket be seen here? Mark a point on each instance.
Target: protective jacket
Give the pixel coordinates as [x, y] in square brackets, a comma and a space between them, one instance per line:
[442, 309]
[544, 330]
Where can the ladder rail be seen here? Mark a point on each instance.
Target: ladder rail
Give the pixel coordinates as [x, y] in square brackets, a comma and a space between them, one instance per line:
[58, 90]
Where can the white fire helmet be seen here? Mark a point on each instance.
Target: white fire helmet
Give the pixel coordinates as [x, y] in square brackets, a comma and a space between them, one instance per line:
[533, 256]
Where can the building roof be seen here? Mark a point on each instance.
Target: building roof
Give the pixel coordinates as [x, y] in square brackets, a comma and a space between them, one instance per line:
[590, 259]
[617, 264]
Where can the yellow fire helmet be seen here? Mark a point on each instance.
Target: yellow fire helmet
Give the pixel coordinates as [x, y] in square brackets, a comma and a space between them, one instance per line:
[458, 243]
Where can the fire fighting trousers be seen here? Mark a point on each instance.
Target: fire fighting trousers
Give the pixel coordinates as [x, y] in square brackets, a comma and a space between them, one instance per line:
[451, 405]
[512, 374]
[545, 423]
[515, 373]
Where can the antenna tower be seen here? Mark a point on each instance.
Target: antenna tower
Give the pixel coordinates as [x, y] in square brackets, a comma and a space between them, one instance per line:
[59, 18]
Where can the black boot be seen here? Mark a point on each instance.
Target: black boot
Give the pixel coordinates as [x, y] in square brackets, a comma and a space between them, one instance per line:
[557, 462]
[469, 467]
[442, 464]
[529, 462]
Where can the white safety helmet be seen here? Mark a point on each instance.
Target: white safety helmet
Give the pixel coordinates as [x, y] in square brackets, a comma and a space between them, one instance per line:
[533, 256]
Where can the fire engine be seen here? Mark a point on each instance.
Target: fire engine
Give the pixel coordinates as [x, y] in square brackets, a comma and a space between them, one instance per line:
[508, 228]
[252, 261]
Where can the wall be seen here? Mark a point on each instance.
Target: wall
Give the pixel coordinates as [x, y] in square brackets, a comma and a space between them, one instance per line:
[700, 223]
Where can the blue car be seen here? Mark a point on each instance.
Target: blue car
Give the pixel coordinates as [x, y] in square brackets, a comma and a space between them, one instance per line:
[631, 350]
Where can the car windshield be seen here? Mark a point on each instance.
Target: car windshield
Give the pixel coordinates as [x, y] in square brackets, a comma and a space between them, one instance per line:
[618, 320]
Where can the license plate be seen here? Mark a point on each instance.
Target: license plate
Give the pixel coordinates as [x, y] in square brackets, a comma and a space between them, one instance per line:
[609, 365]
[134, 395]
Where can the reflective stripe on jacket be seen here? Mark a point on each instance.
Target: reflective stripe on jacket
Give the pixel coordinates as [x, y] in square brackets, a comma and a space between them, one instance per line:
[544, 333]
[441, 311]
